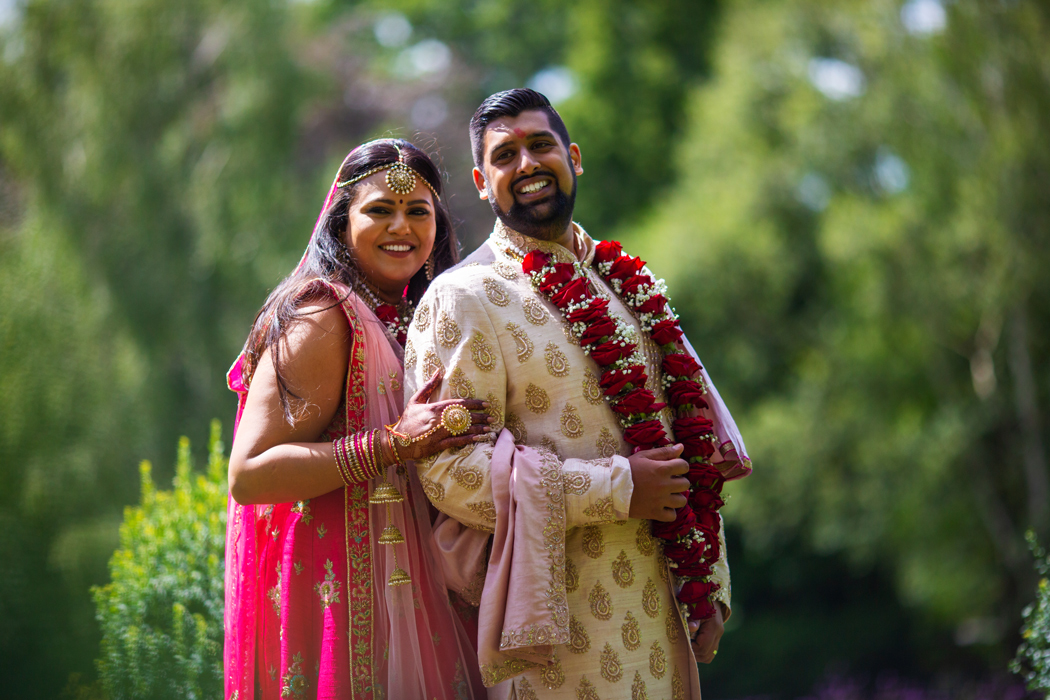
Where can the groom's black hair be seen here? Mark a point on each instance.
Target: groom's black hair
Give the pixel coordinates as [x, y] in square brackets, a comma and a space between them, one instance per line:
[511, 103]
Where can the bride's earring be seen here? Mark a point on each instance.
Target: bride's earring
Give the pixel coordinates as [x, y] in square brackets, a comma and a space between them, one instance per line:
[430, 267]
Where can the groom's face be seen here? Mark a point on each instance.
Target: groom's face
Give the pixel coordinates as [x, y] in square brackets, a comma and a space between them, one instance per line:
[529, 175]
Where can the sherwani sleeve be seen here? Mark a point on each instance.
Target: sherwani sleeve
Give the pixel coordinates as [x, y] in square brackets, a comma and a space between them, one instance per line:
[453, 330]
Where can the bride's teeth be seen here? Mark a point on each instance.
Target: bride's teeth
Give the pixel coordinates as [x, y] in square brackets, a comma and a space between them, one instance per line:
[397, 248]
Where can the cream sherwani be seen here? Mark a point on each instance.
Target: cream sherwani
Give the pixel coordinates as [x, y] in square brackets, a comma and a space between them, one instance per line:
[499, 339]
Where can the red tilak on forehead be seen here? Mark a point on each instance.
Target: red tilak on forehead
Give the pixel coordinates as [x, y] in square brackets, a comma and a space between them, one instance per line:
[519, 133]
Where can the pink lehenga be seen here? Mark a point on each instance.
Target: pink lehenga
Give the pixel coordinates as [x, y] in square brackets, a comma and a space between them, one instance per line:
[309, 612]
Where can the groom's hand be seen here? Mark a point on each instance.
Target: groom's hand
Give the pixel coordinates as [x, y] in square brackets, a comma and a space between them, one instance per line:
[705, 635]
[659, 483]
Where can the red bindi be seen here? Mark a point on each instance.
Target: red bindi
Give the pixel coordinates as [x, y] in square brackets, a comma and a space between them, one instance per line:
[519, 133]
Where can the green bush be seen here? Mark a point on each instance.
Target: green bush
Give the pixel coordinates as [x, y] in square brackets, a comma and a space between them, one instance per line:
[161, 616]
[1033, 656]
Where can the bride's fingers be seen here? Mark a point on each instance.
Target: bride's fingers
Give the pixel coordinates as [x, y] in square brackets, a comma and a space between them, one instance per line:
[422, 395]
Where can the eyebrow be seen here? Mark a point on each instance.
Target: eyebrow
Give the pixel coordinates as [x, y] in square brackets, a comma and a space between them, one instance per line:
[409, 204]
[533, 135]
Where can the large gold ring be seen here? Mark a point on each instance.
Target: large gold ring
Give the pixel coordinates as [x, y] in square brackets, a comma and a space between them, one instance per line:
[456, 419]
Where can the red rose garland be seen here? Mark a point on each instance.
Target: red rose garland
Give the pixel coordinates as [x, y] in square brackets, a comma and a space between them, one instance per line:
[691, 542]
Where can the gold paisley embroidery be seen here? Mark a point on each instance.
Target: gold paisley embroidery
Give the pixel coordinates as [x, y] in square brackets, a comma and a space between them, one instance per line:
[552, 674]
[534, 312]
[650, 599]
[586, 691]
[410, 355]
[422, 318]
[327, 590]
[601, 510]
[631, 632]
[485, 509]
[661, 566]
[495, 410]
[505, 270]
[601, 602]
[557, 363]
[592, 390]
[448, 333]
[536, 399]
[431, 364]
[579, 640]
[572, 576]
[459, 386]
[549, 444]
[433, 490]
[522, 343]
[577, 483]
[677, 686]
[657, 661]
[672, 622]
[571, 423]
[623, 571]
[467, 476]
[606, 443]
[517, 428]
[481, 352]
[593, 543]
[638, 691]
[463, 450]
[612, 669]
[644, 539]
[525, 690]
[497, 295]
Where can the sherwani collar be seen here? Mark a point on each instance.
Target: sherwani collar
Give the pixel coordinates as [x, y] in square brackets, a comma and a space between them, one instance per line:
[516, 245]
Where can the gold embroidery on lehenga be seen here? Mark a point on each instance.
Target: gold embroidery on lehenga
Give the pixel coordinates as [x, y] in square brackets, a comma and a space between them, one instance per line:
[606, 443]
[593, 543]
[586, 691]
[623, 571]
[459, 386]
[481, 352]
[571, 423]
[327, 590]
[534, 312]
[592, 390]
[467, 476]
[274, 594]
[631, 632]
[448, 333]
[579, 640]
[321, 531]
[650, 599]
[657, 661]
[638, 691]
[536, 399]
[294, 683]
[522, 343]
[612, 669]
[517, 428]
[601, 602]
[572, 576]
[557, 363]
[495, 291]
[303, 510]
[433, 490]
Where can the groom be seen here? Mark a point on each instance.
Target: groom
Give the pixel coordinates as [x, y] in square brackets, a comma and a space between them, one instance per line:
[579, 600]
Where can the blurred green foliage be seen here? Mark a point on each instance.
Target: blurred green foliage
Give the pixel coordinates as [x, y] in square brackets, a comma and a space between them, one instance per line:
[848, 200]
[162, 613]
[1033, 656]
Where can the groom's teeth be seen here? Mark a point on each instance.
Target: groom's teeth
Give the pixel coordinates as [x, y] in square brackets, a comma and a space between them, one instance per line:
[535, 187]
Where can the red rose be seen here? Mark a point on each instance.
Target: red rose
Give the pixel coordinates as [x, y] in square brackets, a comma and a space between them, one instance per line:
[686, 393]
[666, 332]
[574, 291]
[598, 331]
[704, 476]
[705, 499]
[562, 273]
[595, 310]
[646, 434]
[653, 304]
[386, 313]
[689, 560]
[680, 364]
[709, 521]
[534, 262]
[636, 401]
[625, 266]
[695, 433]
[608, 353]
[614, 381]
[606, 251]
[684, 522]
[634, 282]
[704, 610]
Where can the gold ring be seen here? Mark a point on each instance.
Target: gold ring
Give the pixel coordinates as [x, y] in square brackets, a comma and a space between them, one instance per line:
[456, 419]
[714, 652]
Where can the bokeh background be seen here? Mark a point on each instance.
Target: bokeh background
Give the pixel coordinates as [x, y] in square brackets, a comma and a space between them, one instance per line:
[850, 200]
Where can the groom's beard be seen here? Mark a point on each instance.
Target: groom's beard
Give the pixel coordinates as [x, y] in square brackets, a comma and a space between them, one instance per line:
[526, 220]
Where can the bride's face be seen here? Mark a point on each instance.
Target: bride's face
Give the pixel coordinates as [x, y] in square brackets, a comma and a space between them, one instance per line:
[391, 235]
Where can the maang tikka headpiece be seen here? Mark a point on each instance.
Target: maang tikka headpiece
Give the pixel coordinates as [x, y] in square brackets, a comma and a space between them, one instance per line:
[400, 178]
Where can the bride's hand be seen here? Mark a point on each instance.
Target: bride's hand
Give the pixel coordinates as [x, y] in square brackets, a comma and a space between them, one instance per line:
[422, 423]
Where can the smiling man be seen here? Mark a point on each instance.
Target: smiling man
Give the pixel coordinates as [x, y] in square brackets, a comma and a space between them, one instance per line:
[578, 597]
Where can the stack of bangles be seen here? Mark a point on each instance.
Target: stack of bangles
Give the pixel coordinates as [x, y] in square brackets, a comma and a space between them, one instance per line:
[359, 456]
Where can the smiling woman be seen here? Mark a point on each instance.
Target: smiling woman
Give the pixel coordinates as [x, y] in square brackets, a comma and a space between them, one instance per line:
[326, 524]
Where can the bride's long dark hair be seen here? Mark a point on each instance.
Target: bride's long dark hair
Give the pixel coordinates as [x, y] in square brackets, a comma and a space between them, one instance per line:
[328, 258]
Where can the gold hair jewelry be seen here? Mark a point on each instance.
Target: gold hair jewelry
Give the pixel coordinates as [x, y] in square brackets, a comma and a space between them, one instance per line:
[456, 419]
[400, 178]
